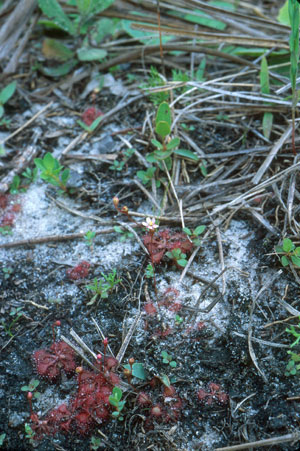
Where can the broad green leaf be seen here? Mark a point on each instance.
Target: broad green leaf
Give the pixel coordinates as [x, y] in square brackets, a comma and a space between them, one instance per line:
[161, 154]
[297, 251]
[187, 231]
[65, 176]
[198, 230]
[157, 144]
[173, 364]
[59, 71]
[267, 124]
[283, 15]
[287, 245]
[99, 6]
[138, 370]
[53, 49]
[295, 260]
[7, 92]
[278, 249]
[143, 36]
[1, 110]
[88, 54]
[164, 114]
[53, 10]
[49, 161]
[284, 261]
[163, 129]
[113, 401]
[182, 262]
[84, 6]
[173, 143]
[165, 380]
[117, 393]
[84, 126]
[95, 123]
[103, 28]
[187, 154]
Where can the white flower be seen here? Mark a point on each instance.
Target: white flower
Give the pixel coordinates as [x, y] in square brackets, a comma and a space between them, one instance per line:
[150, 224]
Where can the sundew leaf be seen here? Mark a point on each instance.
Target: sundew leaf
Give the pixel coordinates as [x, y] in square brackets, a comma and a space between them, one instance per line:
[7, 92]
[87, 54]
[53, 10]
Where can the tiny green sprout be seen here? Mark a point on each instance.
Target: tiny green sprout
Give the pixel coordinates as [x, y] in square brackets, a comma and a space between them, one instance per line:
[95, 443]
[15, 185]
[101, 287]
[5, 94]
[17, 313]
[124, 234]
[194, 235]
[178, 257]
[178, 320]
[119, 165]
[89, 238]
[147, 176]
[168, 359]
[291, 253]
[5, 230]
[115, 401]
[30, 174]
[33, 384]
[2, 438]
[137, 370]
[7, 271]
[30, 434]
[111, 279]
[295, 333]
[52, 172]
[292, 367]
[149, 273]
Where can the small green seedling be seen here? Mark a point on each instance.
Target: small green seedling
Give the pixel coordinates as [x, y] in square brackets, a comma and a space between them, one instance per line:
[2, 438]
[101, 287]
[147, 176]
[30, 174]
[5, 94]
[291, 253]
[96, 442]
[52, 172]
[292, 367]
[295, 333]
[178, 320]
[124, 234]
[115, 401]
[7, 272]
[33, 384]
[149, 273]
[17, 313]
[194, 235]
[5, 230]
[168, 359]
[178, 257]
[119, 165]
[15, 185]
[89, 238]
[29, 433]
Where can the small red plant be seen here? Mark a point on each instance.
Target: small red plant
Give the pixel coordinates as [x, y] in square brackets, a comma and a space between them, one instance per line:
[212, 394]
[164, 241]
[79, 271]
[50, 362]
[90, 115]
[8, 211]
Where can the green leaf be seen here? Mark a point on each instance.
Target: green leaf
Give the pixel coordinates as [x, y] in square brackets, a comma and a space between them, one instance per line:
[115, 414]
[56, 50]
[182, 262]
[1, 110]
[198, 230]
[99, 6]
[278, 249]
[84, 6]
[53, 10]
[283, 15]
[173, 364]
[264, 77]
[138, 370]
[165, 380]
[288, 245]
[157, 144]
[267, 124]
[49, 161]
[187, 231]
[117, 393]
[164, 114]
[89, 54]
[173, 143]
[59, 71]
[297, 251]
[163, 129]
[161, 154]
[84, 126]
[165, 355]
[65, 176]
[187, 154]
[295, 260]
[2, 438]
[284, 261]
[7, 92]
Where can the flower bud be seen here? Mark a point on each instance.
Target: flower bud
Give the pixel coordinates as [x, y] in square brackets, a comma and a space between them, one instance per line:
[116, 201]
